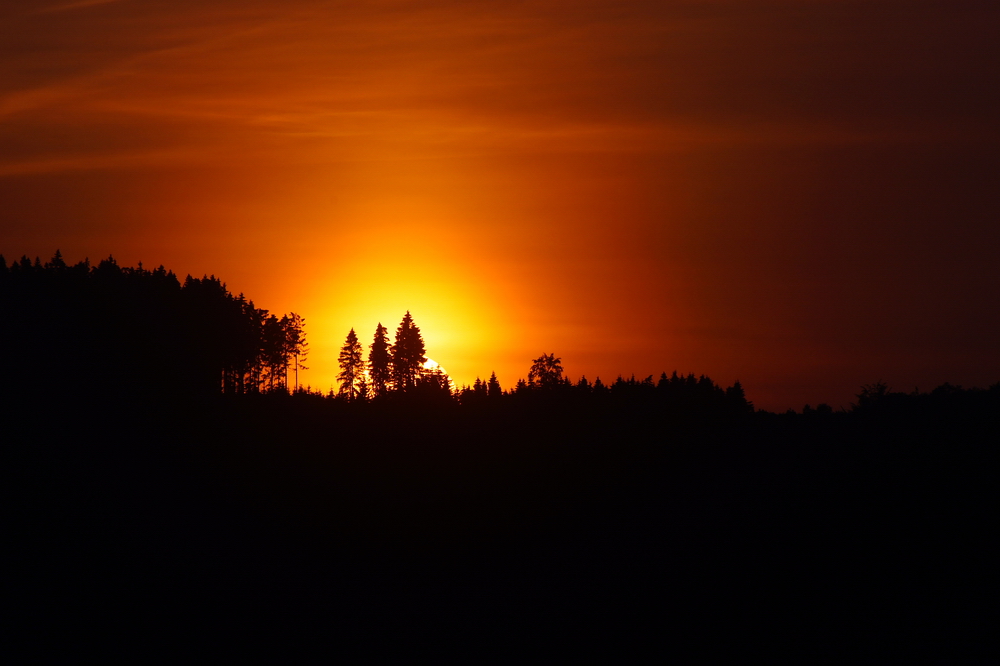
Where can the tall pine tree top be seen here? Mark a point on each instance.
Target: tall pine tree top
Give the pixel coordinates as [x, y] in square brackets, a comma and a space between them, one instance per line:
[380, 362]
[352, 366]
[407, 354]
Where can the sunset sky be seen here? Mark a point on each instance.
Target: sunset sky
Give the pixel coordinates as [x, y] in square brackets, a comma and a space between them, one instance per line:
[800, 194]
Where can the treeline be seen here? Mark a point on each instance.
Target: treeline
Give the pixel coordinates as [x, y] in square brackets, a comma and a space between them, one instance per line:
[546, 384]
[696, 401]
[83, 329]
[400, 369]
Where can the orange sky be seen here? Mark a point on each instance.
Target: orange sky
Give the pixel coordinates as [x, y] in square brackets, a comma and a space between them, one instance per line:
[798, 194]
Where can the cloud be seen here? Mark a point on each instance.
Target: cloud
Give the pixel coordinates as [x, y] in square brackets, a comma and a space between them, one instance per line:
[103, 161]
[79, 4]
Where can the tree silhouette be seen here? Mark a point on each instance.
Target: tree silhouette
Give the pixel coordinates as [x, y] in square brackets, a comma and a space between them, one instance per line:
[737, 399]
[274, 353]
[296, 345]
[873, 395]
[380, 362]
[433, 384]
[545, 372]
[407, 355]
[137, 331]
[493, 389]
[352, 366]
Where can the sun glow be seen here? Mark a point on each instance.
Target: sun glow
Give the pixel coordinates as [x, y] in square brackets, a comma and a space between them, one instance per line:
[418, 268]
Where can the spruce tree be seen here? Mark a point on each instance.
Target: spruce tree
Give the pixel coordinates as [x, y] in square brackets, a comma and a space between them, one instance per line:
[352, 366]
[296, 346]
[407, 355]
[493, 389]
[380, 362]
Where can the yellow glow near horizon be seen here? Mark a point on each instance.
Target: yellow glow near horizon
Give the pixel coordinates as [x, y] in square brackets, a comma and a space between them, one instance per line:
[454, 308]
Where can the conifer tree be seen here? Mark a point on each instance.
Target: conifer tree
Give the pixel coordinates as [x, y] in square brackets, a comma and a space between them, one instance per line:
[351, 366]
[57, 262]
[273, 352]
[493, 389]
[296, 348]
[737, 399]
[407, 355]
[380, 362]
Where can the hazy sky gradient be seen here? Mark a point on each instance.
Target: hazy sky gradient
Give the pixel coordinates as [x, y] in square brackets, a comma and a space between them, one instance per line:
[802, 195]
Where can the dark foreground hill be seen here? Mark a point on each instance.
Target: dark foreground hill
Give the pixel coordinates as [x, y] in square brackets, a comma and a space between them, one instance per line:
[288, 511]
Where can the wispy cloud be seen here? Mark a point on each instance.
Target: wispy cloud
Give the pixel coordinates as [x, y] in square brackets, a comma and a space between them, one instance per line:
[106, 160]
[80, 4]
[452, 79]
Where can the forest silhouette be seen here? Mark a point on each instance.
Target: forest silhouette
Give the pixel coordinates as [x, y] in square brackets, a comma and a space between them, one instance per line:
[166, 456]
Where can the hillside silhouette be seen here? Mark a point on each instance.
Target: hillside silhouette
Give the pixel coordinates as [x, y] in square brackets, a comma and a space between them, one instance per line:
[162, 460]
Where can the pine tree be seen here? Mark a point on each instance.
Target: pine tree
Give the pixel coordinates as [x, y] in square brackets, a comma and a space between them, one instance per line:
[737, 399]
[273, 352]
[297, 348]
[380, 363]
[351, 366]
[493, 389]
[407, 355]
[57, 262]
